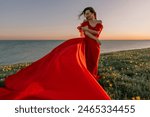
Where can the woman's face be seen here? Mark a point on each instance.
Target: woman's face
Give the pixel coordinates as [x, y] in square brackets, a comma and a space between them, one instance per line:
[88, 15]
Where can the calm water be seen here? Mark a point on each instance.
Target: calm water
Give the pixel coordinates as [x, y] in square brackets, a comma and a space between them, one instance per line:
[16, 51]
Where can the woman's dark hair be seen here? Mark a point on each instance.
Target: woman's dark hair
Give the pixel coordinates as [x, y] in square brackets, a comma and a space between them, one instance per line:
[88, 8]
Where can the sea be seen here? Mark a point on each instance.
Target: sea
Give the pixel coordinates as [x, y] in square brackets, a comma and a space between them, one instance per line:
[19, 51]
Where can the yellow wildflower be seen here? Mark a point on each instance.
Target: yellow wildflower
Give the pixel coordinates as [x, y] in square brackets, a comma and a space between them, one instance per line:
[110, 85]
[138, 97]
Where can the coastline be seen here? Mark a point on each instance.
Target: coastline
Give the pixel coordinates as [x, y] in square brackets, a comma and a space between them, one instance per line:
[124, 74]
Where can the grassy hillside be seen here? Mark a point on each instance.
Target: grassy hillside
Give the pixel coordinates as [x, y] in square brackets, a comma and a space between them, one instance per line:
[124, 74]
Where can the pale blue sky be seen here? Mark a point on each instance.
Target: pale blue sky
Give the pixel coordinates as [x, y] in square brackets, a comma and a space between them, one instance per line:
[58, 19]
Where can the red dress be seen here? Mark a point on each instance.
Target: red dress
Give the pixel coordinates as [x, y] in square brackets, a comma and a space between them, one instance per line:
[68, 72]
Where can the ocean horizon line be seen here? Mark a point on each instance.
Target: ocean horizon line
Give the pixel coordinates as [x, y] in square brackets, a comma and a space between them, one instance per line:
[70, 38]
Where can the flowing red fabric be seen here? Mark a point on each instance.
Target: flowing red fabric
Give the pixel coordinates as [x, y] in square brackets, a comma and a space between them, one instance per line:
[68, 72]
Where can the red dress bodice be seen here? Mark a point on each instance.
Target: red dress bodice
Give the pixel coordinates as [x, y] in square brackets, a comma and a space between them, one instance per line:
[98, 27]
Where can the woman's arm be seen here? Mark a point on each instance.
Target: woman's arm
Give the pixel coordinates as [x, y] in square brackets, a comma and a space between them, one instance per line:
[92, 36]
[85, 28]
[93, 31]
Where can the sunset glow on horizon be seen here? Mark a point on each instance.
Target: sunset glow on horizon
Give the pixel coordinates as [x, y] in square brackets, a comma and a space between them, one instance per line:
[51, 19]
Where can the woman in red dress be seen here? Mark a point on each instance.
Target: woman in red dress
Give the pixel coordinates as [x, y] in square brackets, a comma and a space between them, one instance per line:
[68, 72]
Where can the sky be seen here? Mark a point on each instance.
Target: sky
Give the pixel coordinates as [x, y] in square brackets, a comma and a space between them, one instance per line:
[58, 19]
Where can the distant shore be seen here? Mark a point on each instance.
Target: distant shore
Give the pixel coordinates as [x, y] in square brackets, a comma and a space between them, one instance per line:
[124, 74]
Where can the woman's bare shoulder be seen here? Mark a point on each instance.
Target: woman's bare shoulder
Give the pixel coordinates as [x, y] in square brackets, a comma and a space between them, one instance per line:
[99, 21]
